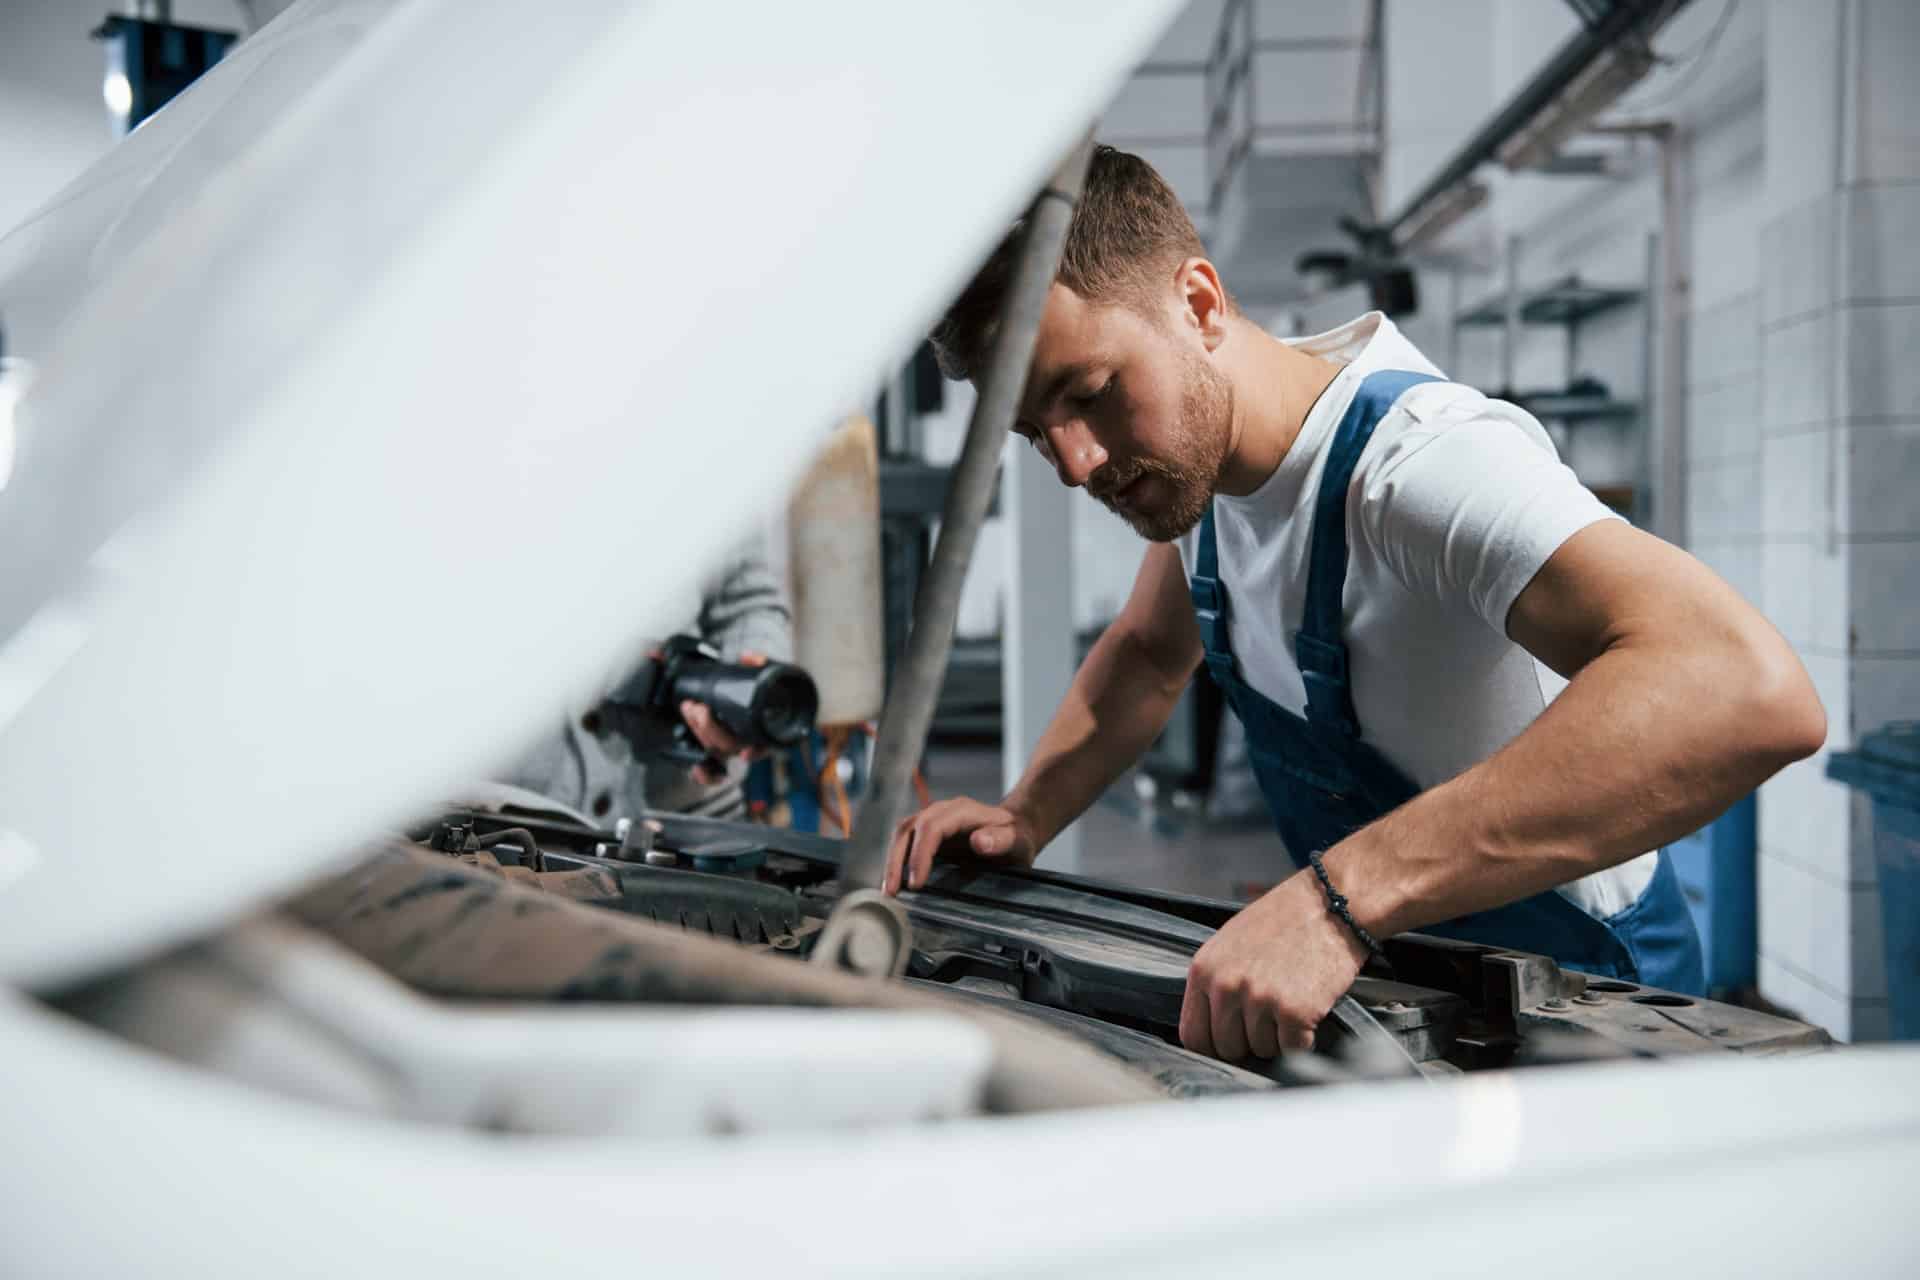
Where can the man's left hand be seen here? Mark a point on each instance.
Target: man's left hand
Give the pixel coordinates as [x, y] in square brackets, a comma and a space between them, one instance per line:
[1264, 981]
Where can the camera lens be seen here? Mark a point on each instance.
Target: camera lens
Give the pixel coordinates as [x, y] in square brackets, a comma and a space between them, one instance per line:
[785, 706]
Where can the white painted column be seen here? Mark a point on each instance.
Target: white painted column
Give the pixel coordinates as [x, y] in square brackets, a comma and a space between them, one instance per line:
[1036, 633]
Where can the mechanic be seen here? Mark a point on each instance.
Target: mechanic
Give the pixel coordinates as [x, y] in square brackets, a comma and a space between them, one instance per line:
[1478, 702]
[742, 611]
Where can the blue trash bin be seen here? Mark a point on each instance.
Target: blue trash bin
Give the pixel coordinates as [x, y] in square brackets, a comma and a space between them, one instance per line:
[1886, 765]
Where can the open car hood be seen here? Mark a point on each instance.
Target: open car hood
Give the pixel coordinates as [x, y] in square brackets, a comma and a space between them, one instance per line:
[404, 306]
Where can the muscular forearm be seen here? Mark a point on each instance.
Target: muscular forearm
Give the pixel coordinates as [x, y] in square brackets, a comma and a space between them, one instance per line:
[1119, 701]
[1651, 740]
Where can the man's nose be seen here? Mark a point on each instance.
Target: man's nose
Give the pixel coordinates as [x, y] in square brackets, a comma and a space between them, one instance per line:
[1076, 454]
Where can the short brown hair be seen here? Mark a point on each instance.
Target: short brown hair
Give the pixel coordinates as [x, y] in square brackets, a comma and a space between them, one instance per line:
[1127, 228]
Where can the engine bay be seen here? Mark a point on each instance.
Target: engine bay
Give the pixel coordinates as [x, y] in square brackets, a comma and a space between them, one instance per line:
[1103, 962]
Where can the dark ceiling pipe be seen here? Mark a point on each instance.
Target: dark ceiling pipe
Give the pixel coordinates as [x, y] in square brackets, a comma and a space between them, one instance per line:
[1568, 62]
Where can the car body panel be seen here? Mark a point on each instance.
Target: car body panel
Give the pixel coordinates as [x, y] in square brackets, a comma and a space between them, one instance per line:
[479, 297]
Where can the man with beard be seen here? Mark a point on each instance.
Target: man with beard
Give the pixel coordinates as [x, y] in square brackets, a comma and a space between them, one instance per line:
[1478, 703]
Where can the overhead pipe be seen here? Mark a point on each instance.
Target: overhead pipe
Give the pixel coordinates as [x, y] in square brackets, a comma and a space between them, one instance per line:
[1569, 64]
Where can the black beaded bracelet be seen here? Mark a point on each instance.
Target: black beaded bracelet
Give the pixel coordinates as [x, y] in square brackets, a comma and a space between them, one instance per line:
[1337, 903]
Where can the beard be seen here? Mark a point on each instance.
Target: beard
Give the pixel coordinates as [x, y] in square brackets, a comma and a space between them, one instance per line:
[1190, 468]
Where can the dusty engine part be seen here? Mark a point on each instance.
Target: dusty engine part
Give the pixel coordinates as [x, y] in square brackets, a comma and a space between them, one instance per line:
[867, 935]
[583, 884]
[1116, 957]
[286, 1009]
[450, 930]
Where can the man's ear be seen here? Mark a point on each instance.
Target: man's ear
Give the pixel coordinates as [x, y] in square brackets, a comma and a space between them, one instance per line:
[1203, 299]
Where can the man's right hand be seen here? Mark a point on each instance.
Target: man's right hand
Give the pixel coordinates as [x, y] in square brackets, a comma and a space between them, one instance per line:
[955, 828]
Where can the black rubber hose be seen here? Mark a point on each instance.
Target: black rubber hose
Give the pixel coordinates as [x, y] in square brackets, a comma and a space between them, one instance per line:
[923, 668]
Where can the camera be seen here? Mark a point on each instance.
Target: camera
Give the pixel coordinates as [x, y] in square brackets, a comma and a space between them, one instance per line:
[765, 706]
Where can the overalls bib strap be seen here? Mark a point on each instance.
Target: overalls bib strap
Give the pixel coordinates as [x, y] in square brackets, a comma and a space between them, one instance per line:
[1323, 781]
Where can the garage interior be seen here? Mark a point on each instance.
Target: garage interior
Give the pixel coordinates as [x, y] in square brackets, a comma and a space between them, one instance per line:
[1683, 236]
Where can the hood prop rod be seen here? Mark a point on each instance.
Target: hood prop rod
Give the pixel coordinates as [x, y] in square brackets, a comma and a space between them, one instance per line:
[908, 714]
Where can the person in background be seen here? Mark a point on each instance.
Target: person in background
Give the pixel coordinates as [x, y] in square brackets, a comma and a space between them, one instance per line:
[742, 611]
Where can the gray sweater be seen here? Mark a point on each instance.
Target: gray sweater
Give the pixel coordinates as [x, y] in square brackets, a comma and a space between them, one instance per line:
[741, 608]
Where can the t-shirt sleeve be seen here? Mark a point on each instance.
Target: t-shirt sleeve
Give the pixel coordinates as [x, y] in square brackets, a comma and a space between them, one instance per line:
[1466, 508]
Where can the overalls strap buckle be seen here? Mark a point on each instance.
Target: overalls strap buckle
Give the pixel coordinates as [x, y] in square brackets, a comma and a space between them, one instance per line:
[1323, 670]
[1210, 613]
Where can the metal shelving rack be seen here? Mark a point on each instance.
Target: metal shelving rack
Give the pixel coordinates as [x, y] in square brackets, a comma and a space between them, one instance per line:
[1567, 304]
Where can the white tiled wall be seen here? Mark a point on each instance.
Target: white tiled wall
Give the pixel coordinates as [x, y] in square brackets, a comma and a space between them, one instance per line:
[1795, 488]
[1887, 131]
[1804, 822]
[1798, 252]
[1807, 851]
[1804, 587]
[1887, 688]
[1840, 569]
[1723, 499]
[1882, 461]
[1795, 991]
[1723, 419]
[1886, 603]
[1882, 375]
[1738, 563]
[1797, 372]
[1882, 228]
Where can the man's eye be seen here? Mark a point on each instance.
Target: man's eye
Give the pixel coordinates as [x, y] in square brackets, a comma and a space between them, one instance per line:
[1100, 393]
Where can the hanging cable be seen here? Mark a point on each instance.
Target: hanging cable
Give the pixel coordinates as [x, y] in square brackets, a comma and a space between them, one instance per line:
[1690, 65]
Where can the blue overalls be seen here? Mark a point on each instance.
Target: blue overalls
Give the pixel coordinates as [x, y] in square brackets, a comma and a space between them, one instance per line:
[1323, 780]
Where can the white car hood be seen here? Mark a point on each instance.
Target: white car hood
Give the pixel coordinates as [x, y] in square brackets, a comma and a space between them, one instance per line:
[406, 306]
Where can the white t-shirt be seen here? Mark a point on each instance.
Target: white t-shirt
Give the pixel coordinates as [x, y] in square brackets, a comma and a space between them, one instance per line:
[1456, 504]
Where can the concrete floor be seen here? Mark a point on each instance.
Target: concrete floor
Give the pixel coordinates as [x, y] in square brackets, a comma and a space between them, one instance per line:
[1122, 839]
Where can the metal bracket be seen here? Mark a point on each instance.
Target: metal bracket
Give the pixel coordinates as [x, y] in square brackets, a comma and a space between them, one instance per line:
[867, 935]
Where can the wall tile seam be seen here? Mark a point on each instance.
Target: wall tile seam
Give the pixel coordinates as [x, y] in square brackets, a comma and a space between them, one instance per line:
[1745, 375]
[1727, 303]
[1723, 541]
[1796, 971]
[1820, 874]
[1725, 319]
[1807, 318]
[1877, 655]
[1803, 428]
[1875, 184]
[1722, 462]
[1868, 302]
[1879, 539]
[1732, 328]
[1805, 207]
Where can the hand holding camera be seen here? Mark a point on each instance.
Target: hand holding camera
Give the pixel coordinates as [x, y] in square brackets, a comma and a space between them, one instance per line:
[690, 706]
